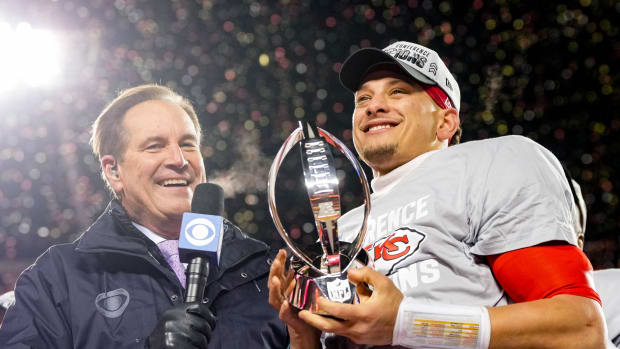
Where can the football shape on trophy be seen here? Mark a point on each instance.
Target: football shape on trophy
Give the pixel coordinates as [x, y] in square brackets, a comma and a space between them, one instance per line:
[322, 274]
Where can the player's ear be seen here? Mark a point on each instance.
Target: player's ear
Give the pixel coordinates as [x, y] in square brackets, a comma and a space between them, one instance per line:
[447, 124]
[111, 172]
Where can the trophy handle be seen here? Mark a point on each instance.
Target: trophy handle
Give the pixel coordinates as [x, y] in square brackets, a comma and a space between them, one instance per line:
[296, 136]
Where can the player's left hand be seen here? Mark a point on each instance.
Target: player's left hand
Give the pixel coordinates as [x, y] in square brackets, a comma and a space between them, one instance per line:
[369, 322]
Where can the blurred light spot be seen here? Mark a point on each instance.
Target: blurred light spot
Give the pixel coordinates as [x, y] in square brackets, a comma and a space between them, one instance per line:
[490, 24]
[347, 134]
[275, 19]
[500, 55]
[308, 227]
[207, 152]
[299, 112]
[55, 233]
[34, 173]
[598, 128]
[43, 232]
[280, 53]
[252, 228]
[228, 26]
[219, 97]
[27, 56]
[264, 121]
[248, 125]
[321, 118]
[251, 199]
[338, 107]
[508, 70]
[211, 108]
[229, 74]
[380, 28]
[518, 24]
[221, 145]
[319, 44]
[517, 130]
[444, 7]
[26, 185]
[573, 46]
[295, 233]
[24, 228]
[529, 115]
[192, 70]
[300, 86]
[263, 60]
[487, 117]
[301, 68]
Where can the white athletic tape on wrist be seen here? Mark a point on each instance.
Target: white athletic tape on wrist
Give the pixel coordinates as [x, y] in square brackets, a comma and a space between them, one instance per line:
[444, 326]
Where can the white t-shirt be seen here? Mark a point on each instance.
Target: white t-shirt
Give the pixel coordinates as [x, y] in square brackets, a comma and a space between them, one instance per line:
[433, 219]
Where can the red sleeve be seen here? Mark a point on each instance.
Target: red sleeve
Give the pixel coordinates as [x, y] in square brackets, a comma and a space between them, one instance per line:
[544, 271]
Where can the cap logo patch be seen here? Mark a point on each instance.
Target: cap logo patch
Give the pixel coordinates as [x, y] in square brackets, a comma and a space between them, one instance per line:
[433, 68]
[448, 84]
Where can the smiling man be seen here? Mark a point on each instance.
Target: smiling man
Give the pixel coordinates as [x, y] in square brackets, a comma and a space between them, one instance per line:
[472, 245]
[121, 284]
[156, 175]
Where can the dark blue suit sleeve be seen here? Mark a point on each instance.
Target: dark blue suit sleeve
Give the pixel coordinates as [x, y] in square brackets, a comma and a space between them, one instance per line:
[36, 320]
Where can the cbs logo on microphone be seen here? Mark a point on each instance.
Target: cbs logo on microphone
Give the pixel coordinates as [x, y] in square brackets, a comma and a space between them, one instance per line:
[201, 232]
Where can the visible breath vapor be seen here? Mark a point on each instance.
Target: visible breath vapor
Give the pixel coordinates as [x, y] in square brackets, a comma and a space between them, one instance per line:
[249, 173]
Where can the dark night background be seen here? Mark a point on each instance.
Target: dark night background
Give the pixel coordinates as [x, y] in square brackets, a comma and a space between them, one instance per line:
[547, 70]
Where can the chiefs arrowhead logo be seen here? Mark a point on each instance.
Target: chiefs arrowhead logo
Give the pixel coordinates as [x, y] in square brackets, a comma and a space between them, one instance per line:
[395, 248]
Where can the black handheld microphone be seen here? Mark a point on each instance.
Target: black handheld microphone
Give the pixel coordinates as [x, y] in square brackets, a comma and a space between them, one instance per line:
[200, 239]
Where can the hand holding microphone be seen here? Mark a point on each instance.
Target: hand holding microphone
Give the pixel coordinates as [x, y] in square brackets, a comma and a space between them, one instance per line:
[189, 324]
[184, 326]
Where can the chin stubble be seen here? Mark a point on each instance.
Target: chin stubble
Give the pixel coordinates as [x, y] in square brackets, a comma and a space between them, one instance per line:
[377, 154]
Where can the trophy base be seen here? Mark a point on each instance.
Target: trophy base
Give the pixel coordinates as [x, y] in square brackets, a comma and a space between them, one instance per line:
[335, 288]
[309, 285]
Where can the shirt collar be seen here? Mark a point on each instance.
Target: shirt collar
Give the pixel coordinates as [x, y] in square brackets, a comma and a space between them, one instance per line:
[383, 184]
[148, 233]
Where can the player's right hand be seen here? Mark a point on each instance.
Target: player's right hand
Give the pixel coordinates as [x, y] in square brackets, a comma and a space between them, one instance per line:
[281, 283]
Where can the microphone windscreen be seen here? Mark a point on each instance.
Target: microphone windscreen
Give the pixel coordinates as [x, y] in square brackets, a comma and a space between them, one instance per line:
[208, 199]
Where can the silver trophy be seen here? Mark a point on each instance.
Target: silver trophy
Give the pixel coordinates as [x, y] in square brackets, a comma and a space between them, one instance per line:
[325, 275]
